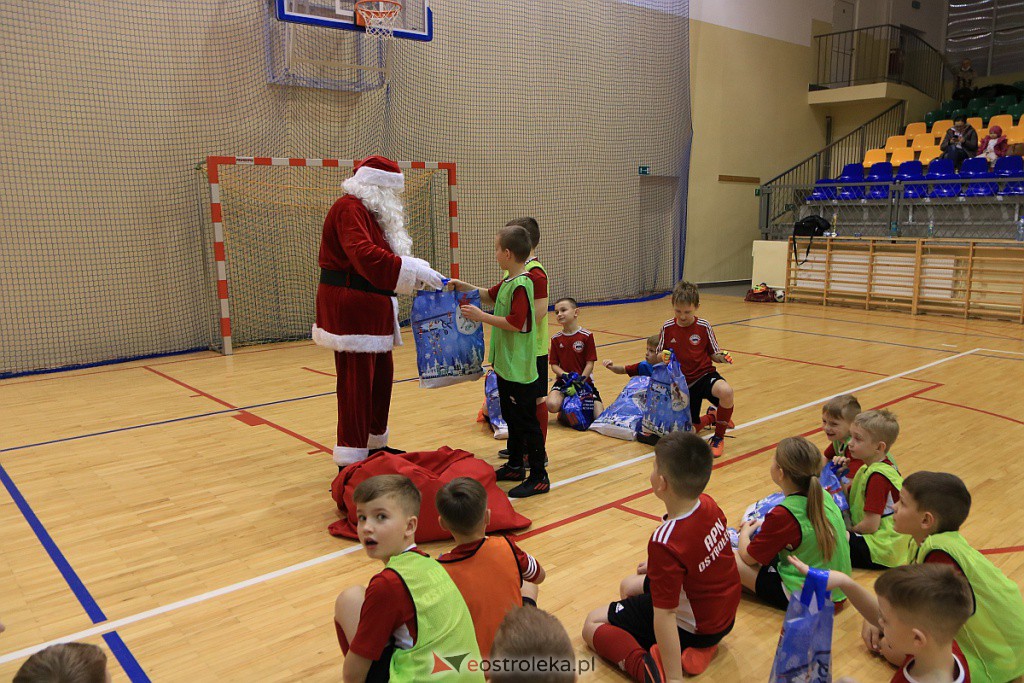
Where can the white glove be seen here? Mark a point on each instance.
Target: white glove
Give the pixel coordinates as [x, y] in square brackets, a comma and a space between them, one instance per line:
[428, 278]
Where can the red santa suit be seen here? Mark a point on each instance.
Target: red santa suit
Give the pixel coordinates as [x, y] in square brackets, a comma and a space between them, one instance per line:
[364, 261]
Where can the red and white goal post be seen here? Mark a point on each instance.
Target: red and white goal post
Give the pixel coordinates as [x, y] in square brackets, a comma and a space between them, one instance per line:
[216, 166]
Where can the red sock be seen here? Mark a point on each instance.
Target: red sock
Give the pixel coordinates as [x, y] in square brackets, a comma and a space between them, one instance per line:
[617, 645]
[723, 417]
[542, 417]
[342, 640]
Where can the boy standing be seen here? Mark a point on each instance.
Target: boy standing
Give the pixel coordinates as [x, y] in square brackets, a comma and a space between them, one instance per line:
[513, 355]
[411, 610]
[490, 571]
[874, 492]
[573, 350]
[644, 367]
[931, 508]
[672, 620]
[696, 349]
[923, 608]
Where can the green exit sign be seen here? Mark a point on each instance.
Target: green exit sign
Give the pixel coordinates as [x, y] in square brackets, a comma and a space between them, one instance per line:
[643, 170]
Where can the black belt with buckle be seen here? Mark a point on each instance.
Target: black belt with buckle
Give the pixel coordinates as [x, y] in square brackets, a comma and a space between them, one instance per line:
[343, 278]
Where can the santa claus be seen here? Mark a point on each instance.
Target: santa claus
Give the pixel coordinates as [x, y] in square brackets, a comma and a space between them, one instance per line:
[365, 260]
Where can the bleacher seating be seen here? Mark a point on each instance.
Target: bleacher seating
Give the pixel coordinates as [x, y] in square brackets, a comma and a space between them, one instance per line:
[1005, 101]
[977, 168]
[940, 127]
[895, 142]
[1004, 121]
[1016, 111]
[852, 173]
[942, 169]
[874, 156]
[923, 140]
[928, 154]
[990, 111]
[1010, 168]
[975, 122]
[879, 173]
[1014, 135]
[915, 129]
[912, 171]
[902, 155]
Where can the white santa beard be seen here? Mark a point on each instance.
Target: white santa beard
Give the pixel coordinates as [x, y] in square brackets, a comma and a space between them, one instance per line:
[386, 206]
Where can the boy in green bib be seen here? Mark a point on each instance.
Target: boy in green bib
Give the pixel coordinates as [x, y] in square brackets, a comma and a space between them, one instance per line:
[837, 415]
[874, 492]
[931, 509]
[513, 354]
[410, 613]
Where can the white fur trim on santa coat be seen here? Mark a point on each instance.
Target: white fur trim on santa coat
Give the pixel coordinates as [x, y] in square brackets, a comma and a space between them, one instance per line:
[378, 440]
[406, 283]
[375, 176]
[361, 343]
[344, 455]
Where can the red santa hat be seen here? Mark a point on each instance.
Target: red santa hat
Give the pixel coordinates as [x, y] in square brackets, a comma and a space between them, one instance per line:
[380, 171]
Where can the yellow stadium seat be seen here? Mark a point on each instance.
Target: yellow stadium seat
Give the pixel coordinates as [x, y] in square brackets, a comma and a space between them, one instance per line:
[873, 156]
[923, 140]
[939, 128]
[975, 122]
[915, 129]
[1014, 135]
[1004, 121]
[982, 134]
[901, 155]
[929, 153]
[895, 142]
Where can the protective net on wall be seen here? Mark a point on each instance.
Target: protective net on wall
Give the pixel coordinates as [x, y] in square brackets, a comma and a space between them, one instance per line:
[548, 110]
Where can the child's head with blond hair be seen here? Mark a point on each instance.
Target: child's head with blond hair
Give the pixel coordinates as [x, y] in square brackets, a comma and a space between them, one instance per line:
[872, 435]
[799, 461]
[837, 415]
[651, 355]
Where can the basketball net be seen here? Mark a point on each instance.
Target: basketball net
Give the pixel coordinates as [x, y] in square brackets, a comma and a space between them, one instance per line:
[379, 17]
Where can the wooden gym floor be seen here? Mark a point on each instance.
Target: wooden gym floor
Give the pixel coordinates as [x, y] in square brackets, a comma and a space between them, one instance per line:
[175, 510]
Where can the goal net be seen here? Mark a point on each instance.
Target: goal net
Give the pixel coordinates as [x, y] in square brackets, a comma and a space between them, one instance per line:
[268, 215]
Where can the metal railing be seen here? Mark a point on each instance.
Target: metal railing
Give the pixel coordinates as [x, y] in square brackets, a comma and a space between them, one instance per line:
[969, 208]
[777, 198]
[878, 54]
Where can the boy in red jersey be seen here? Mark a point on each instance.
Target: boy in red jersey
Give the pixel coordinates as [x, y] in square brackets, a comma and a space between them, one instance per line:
[573, 350]
[672, 619]
[694, 344]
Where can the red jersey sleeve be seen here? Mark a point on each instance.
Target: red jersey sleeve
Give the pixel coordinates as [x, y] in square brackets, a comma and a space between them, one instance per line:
[519, 316]
[942, 557]
[552, 353]
[386, 607]
[493, 292]
[590, 349]
[666, 573]
[877, 494]
[528, 565]
[779, 531]
[540, 283]
[632, 370]
[830, 451]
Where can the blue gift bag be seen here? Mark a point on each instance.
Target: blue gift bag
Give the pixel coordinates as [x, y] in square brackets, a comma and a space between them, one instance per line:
[621, 419]
[449, 348]
[804, 653]
[493, 404]
[831, 483]
[667, 408]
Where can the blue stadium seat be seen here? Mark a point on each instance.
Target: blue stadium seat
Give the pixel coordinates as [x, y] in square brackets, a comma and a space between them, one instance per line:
[978, 168]
[911, 171]
[851, 173]
[1010, 168]
[879, 173]
[824, 190]
[942, 169]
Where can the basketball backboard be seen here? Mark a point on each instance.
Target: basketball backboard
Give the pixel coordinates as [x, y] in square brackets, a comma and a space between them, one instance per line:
[415, 22]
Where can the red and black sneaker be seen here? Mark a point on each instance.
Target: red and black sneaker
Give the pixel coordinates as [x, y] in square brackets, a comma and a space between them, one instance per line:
[508, 473]
[531, 487]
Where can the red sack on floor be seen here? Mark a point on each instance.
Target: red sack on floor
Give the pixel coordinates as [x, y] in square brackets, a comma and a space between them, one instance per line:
[429, 470]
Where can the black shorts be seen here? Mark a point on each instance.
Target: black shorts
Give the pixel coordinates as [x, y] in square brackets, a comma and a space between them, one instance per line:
[860, 554]
[701, 390]
[635, 615]
[529, 602]
[768, 585]
[559, 385]
[541, 385]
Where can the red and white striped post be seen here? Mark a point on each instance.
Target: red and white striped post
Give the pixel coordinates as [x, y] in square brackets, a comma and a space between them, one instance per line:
[220, 255]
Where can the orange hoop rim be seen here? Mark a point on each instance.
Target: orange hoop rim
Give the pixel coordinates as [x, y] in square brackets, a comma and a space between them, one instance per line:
[364, 14]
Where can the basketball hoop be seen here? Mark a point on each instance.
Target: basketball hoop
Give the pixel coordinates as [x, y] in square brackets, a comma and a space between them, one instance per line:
[378, 16]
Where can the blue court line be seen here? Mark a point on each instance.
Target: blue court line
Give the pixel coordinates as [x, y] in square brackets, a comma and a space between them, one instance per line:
[902, 327]
[117, 646]
[269, 403]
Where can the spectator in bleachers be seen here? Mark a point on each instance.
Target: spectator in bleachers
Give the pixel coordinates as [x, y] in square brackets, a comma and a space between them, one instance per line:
[993, 146]
[960, 142]
[964, 89]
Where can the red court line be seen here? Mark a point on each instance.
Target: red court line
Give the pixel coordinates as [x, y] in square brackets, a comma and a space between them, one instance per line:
[619, 503]
[639, 513]
[244, 416]
[320, 372]
[977, 410]
[1001, 551]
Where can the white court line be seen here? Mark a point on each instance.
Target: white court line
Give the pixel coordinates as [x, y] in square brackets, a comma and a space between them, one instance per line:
[108, 626]
[1016, 353]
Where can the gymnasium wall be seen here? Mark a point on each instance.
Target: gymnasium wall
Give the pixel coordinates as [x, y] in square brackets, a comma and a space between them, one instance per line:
[109, 107]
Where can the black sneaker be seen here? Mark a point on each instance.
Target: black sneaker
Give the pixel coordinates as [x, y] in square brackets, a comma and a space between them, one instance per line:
[509, 473]
[649, 439]
[504, 453]
[531, 487]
